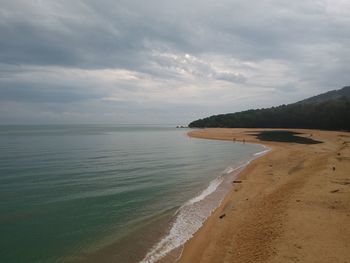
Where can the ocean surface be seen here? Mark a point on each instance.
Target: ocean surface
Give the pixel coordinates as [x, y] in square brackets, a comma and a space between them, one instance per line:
[93, 193]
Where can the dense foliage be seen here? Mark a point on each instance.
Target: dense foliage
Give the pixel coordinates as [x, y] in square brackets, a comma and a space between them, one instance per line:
[333, 114]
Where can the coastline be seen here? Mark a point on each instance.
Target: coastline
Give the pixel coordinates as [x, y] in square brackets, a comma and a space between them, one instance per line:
[190, 217]
[291, 204]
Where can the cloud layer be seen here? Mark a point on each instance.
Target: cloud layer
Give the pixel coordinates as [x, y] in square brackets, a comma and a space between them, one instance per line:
[165, 61]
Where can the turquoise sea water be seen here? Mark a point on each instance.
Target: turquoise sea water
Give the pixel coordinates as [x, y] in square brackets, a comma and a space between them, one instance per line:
[105, 193]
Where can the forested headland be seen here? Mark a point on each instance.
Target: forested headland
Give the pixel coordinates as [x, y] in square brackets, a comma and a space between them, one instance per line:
[330, 111]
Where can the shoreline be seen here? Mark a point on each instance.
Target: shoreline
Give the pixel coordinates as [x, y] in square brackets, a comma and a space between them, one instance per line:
[268, 216]
[209, 199]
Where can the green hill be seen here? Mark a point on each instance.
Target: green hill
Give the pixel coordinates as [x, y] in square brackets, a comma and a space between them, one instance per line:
[329, 111]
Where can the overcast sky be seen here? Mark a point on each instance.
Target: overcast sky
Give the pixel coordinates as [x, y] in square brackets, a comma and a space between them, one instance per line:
[160, 61]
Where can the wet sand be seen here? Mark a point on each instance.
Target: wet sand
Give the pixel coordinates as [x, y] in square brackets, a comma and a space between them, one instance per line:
[290, 205]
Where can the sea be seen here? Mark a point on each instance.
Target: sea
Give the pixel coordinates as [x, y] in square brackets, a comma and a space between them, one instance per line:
[109, 193]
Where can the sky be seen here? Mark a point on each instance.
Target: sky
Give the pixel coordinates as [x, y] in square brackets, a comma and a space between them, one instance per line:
[165, 62]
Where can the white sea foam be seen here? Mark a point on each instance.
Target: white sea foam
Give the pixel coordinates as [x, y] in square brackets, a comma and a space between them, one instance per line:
[228, 170]
[188, 220]
[210, 189]
[267, 149]
[191, 216]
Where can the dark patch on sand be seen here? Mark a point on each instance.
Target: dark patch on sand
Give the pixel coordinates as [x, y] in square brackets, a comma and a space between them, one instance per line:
[284, 136]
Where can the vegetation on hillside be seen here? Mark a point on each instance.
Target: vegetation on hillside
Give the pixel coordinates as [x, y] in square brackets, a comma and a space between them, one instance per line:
[314, 113]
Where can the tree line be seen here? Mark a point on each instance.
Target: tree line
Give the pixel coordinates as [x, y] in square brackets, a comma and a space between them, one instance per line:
[328, 115]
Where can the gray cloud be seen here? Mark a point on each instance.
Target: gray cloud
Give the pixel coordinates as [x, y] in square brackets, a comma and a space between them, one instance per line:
[111, 60]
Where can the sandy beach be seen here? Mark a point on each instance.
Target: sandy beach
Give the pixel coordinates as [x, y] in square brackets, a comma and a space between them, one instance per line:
[290, 205]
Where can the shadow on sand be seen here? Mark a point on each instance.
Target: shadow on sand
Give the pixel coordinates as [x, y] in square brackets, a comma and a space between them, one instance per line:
[284, 136]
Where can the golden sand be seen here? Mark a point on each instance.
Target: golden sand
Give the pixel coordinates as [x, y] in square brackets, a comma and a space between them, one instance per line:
[292, 204]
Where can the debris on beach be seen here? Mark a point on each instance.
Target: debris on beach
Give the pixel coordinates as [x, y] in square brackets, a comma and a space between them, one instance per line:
[222, 216]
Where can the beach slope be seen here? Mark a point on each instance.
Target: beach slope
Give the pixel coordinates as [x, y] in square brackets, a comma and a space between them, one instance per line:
[290, 205]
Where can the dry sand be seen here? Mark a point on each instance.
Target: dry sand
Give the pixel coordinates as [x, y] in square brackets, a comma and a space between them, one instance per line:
[293, 204]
